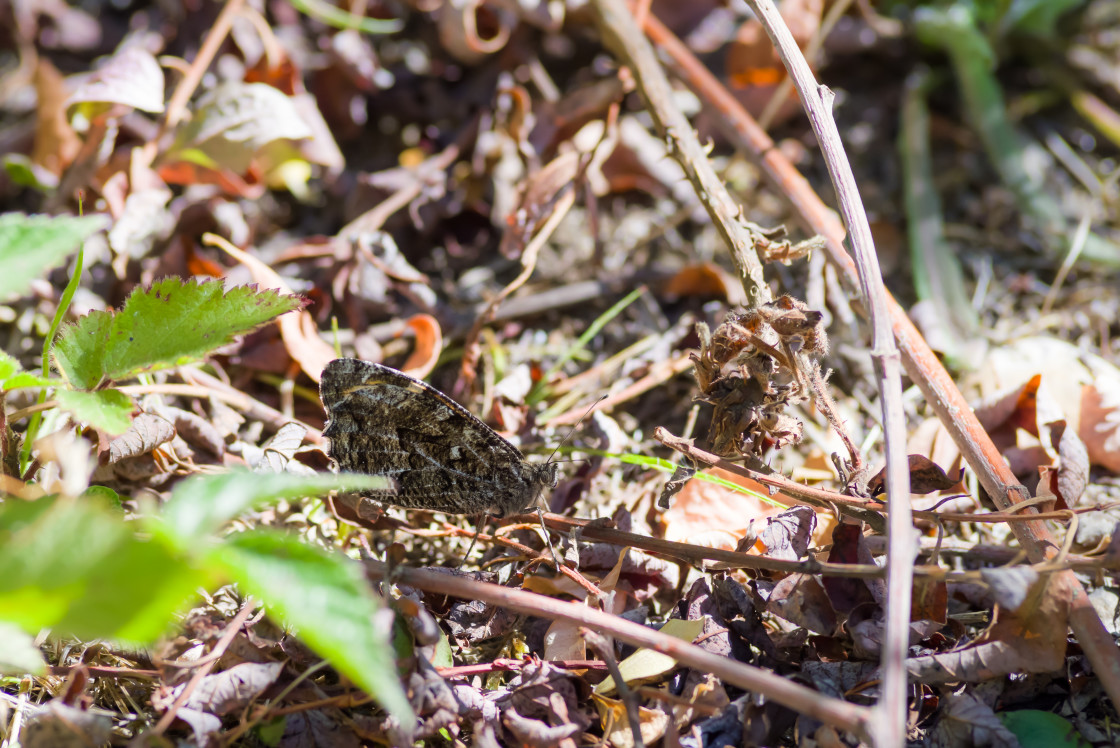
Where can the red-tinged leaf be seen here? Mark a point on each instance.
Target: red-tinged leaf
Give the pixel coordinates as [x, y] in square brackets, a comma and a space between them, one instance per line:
[930, 600]
[1014, 409]
[925, 477]
[1069, 480]
[800, 599]
[1099, 425]
[848, 547]
[429, 345]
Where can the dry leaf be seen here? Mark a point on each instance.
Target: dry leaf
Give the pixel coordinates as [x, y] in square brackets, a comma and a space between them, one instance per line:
[429, 345]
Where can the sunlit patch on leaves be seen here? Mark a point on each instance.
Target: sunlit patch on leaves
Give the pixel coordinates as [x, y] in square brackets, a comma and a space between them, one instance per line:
[168, 324]
[32, 245]
[130, 78]
[233, 122]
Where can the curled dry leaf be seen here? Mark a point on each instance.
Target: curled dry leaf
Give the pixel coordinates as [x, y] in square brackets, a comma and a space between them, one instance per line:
[56, 143]
[789, 534]
[800, 599]
[967, 720]
[1032, 640]
[1100, 416]
[195, 430]
[1067, 481]
[147, 432]
[471, 29]
[429, 345]
[563, 639]
[652, 723]
[705, 280]
[545, 192]
[234, 689]
[130, 78]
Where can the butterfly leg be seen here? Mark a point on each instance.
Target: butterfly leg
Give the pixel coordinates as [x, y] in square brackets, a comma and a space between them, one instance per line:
[548, 541]
[479, 524]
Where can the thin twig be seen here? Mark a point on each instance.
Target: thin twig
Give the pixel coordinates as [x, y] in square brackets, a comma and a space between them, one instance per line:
[227, 637]
[922, 366]
[622, 34]
[890, 728]
[836, 712]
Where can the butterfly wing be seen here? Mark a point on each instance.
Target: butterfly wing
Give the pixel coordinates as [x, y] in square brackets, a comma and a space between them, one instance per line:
[439, 456]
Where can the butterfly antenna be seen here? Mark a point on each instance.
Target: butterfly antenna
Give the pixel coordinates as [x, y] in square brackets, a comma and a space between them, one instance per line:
[573, 429]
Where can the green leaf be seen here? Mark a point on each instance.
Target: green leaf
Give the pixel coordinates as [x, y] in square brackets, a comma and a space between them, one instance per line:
[1038, 729]
[1037, 17]
[32, 245]
[18, 653]
[107, 410]
[202, 505]
[341, 19]
[168, 324]
[12, 376]
[77, 568]
[326, 598]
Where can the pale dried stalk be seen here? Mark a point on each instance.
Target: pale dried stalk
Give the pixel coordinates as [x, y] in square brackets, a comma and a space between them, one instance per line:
[921, 364]
[622, 34]
[889, 726]
[836, 712]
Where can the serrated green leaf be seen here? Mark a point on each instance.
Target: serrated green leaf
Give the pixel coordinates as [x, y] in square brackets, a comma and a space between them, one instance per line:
[13, 377]
[168, 324]
[8, 366]
[18, 653]
[77, 568]
[326, 598]
[107, 410]
[32, 245]
[202, 505]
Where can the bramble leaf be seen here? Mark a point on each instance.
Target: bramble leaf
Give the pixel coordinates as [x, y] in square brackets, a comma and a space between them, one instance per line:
[168, 324]
[202, 505]
[107, 410]
[327, 599]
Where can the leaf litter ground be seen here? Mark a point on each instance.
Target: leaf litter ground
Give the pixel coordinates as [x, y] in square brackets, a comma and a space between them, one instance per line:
[441, 168]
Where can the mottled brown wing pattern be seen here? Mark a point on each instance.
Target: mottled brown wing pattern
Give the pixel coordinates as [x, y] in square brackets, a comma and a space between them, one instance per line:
[439, 456]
